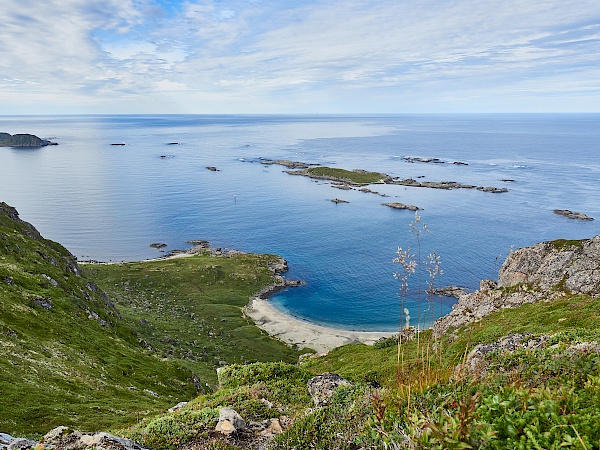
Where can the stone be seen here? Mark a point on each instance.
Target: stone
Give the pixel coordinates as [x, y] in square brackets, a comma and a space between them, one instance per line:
[541, 272]
[274, 428]
[487, 285]
[21, 444]
[288, 164]
[106, 441]
[448, 291]
[571, 265]
[412, 159]
[572, 215]
[230, 421]
[5, 440]
[398, 205]
[476, 364]
[343, 187]
[177, 407]
[44, 303]
[322, 387]
[54, 435]
[50, 280]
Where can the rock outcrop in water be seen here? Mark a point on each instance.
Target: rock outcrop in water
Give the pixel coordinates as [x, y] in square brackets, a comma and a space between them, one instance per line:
[544, 271]
[572, 215]
[398, 205]
[23, 140]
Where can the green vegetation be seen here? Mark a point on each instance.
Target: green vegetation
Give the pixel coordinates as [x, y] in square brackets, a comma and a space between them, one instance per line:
[348, 176]
[71, 355]
[565, 244]
[254, 391]
[532, 397]
[189, 309]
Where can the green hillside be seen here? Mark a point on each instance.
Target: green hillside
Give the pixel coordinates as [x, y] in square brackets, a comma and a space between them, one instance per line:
[111, 346]
[70, 355]
[542, 394]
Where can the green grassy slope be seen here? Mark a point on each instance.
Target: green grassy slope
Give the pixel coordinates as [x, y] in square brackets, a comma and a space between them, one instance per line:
[190, 308]
[70, 355]
[66, 356]
[529, 398]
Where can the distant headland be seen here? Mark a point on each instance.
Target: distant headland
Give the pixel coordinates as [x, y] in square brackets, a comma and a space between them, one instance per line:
[23, 140]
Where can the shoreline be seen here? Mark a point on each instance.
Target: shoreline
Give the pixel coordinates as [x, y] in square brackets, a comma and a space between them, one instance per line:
[293, 331]
[283, 327]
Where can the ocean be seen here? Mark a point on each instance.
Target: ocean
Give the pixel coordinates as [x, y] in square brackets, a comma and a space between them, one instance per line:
[109, 202]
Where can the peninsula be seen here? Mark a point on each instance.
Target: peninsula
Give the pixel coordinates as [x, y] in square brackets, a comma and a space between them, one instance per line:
[23, 140]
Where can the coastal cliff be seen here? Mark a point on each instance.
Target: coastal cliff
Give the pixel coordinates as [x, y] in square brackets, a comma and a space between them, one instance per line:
[544, 271]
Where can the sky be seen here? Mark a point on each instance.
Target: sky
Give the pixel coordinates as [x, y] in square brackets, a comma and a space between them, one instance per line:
[298, 56]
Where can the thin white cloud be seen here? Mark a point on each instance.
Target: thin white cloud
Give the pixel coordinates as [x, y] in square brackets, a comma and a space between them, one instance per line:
[271, 56]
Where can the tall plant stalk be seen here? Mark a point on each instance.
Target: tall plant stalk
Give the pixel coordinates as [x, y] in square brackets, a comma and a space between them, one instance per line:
[411, 263]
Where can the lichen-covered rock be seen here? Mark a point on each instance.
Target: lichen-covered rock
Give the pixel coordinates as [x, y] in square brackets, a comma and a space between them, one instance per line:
[21, 444]
[322, 387]
[53, 436]
[230, 421]
[5, 440]
[60, 438]
[476, 364]
[571, 265]
[544, 271]
[475, 305]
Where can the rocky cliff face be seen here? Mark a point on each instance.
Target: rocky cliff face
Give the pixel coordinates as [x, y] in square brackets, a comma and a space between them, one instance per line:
[544, 271]
[568, 265]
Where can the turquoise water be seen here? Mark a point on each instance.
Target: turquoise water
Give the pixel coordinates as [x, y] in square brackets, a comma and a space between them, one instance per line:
[108, 202]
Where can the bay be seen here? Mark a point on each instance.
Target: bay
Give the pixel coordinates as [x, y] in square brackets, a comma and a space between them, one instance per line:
[107, 202]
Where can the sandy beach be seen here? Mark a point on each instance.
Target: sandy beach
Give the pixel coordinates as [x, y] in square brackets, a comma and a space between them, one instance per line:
[294, 331]
[288, 329]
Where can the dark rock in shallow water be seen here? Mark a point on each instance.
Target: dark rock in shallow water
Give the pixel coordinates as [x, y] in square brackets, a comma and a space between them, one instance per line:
[158, 245]
[337, 200]
[398, 205]
[492, 189]
[412, 159]
[343, 187]
[572, 215]
[448, 291]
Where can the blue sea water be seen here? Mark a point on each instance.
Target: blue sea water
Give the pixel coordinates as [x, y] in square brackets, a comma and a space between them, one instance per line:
[109, 202]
